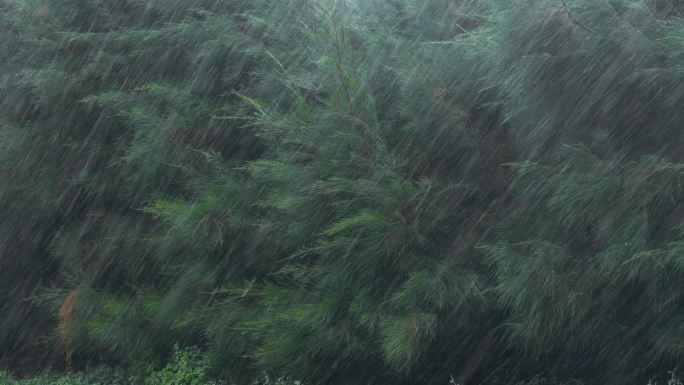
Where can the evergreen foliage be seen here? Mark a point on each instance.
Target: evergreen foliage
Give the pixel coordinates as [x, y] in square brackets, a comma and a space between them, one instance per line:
[346, 192]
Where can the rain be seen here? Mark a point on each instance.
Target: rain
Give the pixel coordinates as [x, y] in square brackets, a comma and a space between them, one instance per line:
[341, 192]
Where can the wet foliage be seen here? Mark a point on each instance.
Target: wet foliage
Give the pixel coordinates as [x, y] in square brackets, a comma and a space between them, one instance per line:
[344, 191]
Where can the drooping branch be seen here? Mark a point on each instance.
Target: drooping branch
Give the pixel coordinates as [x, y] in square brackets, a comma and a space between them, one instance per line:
[574, 20]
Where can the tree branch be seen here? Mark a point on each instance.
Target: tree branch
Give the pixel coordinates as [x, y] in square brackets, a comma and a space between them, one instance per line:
[573, 17]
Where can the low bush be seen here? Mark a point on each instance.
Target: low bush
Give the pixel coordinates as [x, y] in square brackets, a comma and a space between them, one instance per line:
[187, 367]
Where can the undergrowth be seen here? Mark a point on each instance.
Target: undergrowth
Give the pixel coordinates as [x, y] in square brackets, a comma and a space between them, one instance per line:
[187, 367]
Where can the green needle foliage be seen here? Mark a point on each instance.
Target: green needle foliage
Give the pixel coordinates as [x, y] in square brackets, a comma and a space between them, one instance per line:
[344, 192]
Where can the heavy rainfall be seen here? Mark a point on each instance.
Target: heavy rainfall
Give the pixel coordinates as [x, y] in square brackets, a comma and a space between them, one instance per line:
[341, 192]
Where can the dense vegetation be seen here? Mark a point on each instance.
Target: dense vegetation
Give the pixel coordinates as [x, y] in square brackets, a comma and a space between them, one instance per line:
[344, 191]
[187, 367]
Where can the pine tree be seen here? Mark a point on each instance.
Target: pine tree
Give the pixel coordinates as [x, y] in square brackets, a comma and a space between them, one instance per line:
[350, 192]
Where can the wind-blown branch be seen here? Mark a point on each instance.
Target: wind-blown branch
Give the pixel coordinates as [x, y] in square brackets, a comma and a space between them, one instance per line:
[570, 15]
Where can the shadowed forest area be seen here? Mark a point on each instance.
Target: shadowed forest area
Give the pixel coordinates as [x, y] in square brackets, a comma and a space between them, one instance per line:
[341, 192]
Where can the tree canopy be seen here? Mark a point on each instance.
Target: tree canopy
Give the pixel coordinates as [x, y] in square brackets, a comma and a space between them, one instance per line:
[345, 191]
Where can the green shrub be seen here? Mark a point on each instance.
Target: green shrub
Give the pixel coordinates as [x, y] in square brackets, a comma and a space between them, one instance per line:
[187, 367]
[4, 378]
